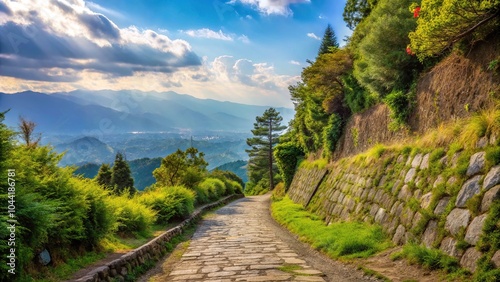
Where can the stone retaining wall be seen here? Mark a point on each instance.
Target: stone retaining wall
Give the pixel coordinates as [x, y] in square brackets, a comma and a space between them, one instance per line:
[153, 250]
[409, 197]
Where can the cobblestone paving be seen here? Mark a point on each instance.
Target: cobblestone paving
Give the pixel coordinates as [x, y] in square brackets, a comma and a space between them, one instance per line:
[238, 244]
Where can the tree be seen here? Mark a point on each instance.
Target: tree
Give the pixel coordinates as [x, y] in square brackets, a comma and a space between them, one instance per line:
[121, 177]
[442, 23]
[104, 176]
[328, 42]
[379, 44]
[27, 128]
[266, 132]
[356, 10]
[181, 168]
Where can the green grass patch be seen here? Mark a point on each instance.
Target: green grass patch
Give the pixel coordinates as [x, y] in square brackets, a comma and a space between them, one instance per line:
[317, 164]
[339, 240]
[431, 259]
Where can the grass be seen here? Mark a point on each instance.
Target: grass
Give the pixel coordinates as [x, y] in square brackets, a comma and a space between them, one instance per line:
[345, 240]
[64, 271]
[319, 164]
[431, 259]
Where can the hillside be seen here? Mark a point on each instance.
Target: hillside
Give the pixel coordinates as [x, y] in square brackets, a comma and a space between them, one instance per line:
[112, 112]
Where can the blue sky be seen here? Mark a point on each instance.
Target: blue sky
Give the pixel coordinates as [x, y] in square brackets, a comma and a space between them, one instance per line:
[245, 51]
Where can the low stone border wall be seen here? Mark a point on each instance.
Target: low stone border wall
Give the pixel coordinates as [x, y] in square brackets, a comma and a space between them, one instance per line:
[153, 250]
[410, 202]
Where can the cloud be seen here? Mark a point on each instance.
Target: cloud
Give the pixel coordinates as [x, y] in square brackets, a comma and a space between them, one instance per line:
[4, 9]
[243, 38]
[57, 46]
[271, 7]
[313, 36]
[208, 33]
[294, 63]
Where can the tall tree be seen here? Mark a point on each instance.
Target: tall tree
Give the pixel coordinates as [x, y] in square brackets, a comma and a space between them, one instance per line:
[266, 132]
[329, 41]
[121, 177]
[104, 176]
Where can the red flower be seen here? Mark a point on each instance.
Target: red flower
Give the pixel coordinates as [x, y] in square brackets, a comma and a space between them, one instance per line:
[409, 51]
[416, 11]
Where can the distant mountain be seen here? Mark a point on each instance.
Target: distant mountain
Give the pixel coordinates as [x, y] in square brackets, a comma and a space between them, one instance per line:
[86, 149]
[56, 115]
[176, 110]
[238, 167]
[142, 171]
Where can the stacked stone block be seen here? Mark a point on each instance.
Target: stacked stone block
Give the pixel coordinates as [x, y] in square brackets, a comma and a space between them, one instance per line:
[399, 198]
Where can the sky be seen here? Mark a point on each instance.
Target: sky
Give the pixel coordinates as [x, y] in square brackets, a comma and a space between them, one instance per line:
[245, 51]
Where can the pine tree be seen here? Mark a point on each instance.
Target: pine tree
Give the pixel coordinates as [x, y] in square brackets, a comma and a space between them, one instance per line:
[104, 176]
[329, 41]
[121, 177]
[266, 131]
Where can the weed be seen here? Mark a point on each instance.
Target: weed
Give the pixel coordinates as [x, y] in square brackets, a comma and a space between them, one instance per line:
[338, 240]
[431, 259]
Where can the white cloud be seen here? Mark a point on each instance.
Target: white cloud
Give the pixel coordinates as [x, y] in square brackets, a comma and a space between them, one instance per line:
[313, 36]
[208, 33]
[57, 40]
[294, 63]
[243, 38]
[270, 7]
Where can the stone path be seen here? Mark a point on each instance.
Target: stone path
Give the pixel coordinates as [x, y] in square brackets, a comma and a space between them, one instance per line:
[239, 243]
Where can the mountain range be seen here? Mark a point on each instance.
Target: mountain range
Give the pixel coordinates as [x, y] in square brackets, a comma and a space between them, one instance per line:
[87, 112]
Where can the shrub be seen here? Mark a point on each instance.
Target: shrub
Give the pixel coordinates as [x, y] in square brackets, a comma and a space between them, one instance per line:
[332, 133]
[133, 217]
[399, 105]
[287, 155]
[169, 202]
[215, 188]
[100, 219]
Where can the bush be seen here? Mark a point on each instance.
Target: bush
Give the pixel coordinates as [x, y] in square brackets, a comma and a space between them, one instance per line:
[101, 219]
[399, 105]
[287, 155]
[214, 188]
[260, 188]
[169, 202]
[133, 218]
[332, 133]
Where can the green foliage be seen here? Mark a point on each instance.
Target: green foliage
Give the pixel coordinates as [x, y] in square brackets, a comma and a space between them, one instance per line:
[379, 43]
[279, 192]
[174, 202]
[134, 218]
[429, 258]
[356, 97]
[101, 220]
[260, 188]
[261, 161]
[104, 175]
[347, 239]
[186, 168]
[329, 41]
[493, 155]
[229, 178]
[213, 187]
[443, 23]
[399, 105]
[332, 133]
[121, 177]
[356, 10]
[287, 155]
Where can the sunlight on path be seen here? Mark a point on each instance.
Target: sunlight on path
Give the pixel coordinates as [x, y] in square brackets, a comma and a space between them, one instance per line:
[238, 244]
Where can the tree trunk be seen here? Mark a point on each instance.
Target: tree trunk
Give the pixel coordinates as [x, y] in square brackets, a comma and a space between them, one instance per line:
[271, 180]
